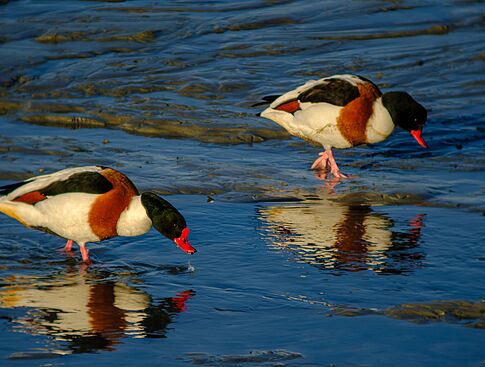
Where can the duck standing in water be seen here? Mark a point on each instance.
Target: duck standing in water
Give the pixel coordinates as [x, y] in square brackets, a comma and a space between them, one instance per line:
[91, 204]
[343, 111]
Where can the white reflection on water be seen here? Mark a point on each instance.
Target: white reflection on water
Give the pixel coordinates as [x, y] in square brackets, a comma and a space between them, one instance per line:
[333, 235]
[86, 312]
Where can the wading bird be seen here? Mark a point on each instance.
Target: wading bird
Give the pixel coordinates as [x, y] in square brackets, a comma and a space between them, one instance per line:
[91, 204]
[343, 111]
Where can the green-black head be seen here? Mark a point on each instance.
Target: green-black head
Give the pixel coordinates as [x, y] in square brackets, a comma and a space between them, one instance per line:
[167, 220]
[406, 113]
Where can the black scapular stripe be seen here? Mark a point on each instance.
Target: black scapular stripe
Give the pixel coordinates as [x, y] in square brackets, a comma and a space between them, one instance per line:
[88, 182]
[7, 189]
[266, 100]
[334, 91]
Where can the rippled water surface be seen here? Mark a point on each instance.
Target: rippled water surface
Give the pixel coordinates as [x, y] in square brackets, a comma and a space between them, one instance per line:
[385, 268]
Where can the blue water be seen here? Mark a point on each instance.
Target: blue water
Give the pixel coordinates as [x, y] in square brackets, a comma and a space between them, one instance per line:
[384, 269]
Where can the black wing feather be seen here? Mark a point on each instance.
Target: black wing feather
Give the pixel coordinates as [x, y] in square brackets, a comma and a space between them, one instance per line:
[267, 100]
[88, 182]
[334, 91]
[7, 189]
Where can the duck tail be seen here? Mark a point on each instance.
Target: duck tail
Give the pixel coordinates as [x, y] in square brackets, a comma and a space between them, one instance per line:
[7, 189]
[266, 100]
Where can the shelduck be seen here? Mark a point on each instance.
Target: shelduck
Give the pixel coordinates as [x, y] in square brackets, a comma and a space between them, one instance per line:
[91, 204]
[343, 111]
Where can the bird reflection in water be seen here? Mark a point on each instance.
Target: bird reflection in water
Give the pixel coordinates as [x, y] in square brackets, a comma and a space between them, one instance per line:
[85, 312]
[336, 236]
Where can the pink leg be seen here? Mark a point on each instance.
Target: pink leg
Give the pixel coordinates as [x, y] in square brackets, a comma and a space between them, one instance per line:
[68, 247]
[333, 165]
[84, 253]
[321, 162]
[326, 159]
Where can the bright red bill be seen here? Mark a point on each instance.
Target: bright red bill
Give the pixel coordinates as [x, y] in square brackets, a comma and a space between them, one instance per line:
[183, 242]
[417, 135]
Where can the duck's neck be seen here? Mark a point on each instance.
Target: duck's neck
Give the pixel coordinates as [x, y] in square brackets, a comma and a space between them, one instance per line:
[380, 124]
[134, 220]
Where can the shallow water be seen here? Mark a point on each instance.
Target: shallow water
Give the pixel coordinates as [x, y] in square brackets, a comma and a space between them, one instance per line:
[383, 269]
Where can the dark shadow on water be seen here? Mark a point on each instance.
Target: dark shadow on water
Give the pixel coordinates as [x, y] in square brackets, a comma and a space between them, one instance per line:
[344, 237]
[260, 357]
[84, 311]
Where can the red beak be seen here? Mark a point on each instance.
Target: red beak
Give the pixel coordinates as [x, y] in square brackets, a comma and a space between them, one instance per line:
[183, 242]
[417, 135]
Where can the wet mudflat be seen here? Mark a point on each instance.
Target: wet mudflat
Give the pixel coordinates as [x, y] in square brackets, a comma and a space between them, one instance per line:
[383, 269]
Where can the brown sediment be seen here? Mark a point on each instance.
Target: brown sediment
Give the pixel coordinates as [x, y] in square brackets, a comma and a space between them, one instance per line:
[269, 357]
[175, 129]
[209, 91]
[379, 198]
[200, 91]
[248, 51]
[91, 89]
[75, 122]
[63, 37]
[36, 106]
[7, 106]
[114, 120]
[80, 55]
[471, 314]
[479, 57]
[396, 7]
[433, 30]
[16, 80]
[55, 108]
[120, 50]
[73, 116]
[142, 37]
[255, 25]
[11, 148]
[129, 9]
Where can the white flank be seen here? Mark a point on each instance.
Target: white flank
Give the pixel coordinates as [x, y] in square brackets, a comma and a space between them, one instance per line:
[64, 214]
[315, 121]
[318, 122]
[134, 220]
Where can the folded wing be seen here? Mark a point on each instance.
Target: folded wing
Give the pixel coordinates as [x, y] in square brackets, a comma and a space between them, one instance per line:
[79, 179]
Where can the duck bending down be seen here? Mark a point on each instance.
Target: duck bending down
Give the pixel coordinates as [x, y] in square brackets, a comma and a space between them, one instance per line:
[343, 111]
[91, 204]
